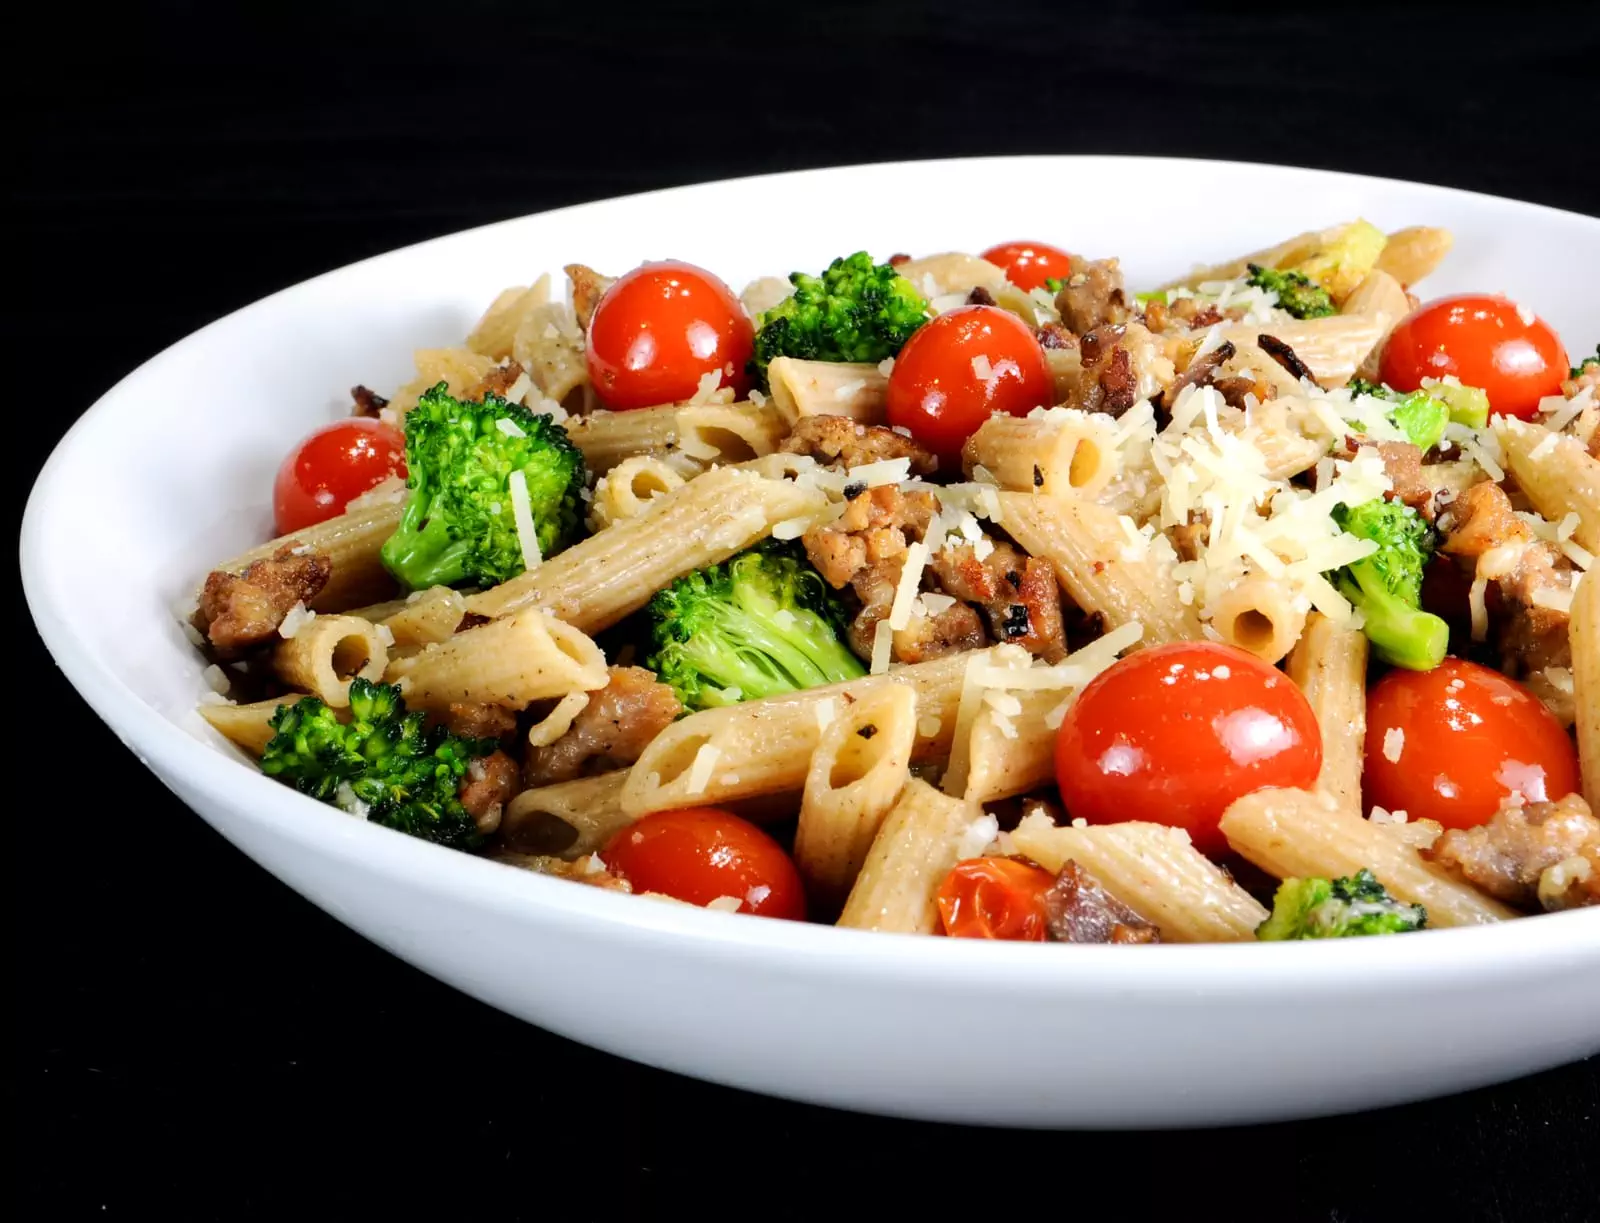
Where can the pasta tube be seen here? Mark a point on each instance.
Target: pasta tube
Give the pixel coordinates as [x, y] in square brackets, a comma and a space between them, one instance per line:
[1061, 453]
[1559, 476]
[827, 388]
[1584, 631]
[513, 661]
[327, 652]
[1258, 613]
[351, 542]
[571, 818]
[1329, 664]
[246, 726]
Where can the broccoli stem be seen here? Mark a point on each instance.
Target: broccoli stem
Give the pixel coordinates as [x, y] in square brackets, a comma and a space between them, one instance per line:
[1401, 635]
[746, 651]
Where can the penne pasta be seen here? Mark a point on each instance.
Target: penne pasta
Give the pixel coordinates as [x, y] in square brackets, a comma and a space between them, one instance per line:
[1012, 753]
[1258, 613]
[1060, 452]
[548, 344]
[1410, 254]
[514, 661]
[765, 746]
[497, 329]
[1558, 475]
[1332, 348]
[627, 488]
[1098, 566]
[426, 617]
[827, 388]
[1288, 252]
[327, 652]
[1155, 871]
[951, 273]
[1330, 666]
[247, 726]
[1300, 834]
[861, 762]
[460, 369]
[599, 580]
[923, 836]
[715, 433]
[1585, 636]
[571, 818]
[607, 438]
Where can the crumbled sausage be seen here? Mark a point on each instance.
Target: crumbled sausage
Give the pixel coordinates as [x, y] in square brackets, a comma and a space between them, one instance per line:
[1079, 910]
[1055, 335]
[367, 402]
[924, 638]
[1507, 856]
[239, 611]
[490, 782]
[980, 296]
[478, 720]
[877, 523]
[612, 730]
[588, 287]
[1093, 296]
[1201, 371]
[1018, 593]
[497, 381]
[838, 439]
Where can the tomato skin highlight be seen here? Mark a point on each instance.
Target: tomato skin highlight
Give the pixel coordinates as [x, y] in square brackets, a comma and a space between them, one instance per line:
[995, 898]
[1483, 340]
[662, 327]
[1150, 739]
[698, 854]
[1468, 738]
[1029, 264]
[332, 465]
[935, 391]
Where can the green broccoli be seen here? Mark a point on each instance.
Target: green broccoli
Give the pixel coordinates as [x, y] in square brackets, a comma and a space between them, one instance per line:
[855, 311]
[1337, 908]
[1423, 414]
[459, 524]
[1054, 284]
[381, 764]
[1298, 294]
[759, 624]
[1582, 367]
[1386, 587]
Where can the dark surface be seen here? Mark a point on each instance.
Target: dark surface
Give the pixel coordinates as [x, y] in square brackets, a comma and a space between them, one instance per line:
[191, 1038]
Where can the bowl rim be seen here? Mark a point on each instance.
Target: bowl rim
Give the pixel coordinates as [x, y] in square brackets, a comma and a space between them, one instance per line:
[1502, 952]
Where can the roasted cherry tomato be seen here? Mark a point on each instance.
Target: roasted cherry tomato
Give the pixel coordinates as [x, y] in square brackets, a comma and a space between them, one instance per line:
[1485, 341]
[333, 465]
[1029, 264]
[958, 370]
[994, 898]
[1173, 734]
[661, 328]
[699, 854]
[1453, 743]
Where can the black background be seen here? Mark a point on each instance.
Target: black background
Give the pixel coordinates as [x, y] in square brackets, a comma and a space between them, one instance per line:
[194, 1041]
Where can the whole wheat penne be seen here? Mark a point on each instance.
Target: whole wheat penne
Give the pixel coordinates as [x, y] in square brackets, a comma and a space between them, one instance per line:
[1410, 254]
[327, 652]
[765, 746]
[827, 388]
[1559, 476]
[1329, 664]
[1013, 753]
[460, 369]
[570, 818]
[606, 438]
[1098, 565]
[627, 488]
[1379, 295]
[497, 329]
[246, 726]
[1258, 613]
[599, 580]
[548, 344]
[515, 660]
[1284, 254]
[952, 272]
[426, 617]
[1332, 348]
[922, 837]
[861, 762]
[1301, 833]
[1584, 633]
[729, 433]
[1155, 871]
[1060, 453]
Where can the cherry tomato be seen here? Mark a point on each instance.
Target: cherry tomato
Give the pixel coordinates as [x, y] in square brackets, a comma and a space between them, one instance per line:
[698, 854]
[1483, 340]
[958, 370]
[333, 465]
[1173, 734]
[1462, 739]
[994, 898]
[661, 328]
[1029, 264]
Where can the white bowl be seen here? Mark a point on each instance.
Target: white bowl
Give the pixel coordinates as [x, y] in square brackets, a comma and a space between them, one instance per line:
[173, 468]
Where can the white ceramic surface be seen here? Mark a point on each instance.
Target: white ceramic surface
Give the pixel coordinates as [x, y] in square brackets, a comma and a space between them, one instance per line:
[173, 468]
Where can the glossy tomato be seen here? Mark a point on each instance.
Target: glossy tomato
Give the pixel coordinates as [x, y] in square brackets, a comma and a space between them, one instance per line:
[1485, 341]
[1173, 734]
[699, 854]
[1451, 744]
[661, 328]
[1029, 264]
[999, 898]
[333, 465]
[958, 370]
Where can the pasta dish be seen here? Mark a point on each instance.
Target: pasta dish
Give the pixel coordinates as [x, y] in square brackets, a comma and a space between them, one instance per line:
[975, 596]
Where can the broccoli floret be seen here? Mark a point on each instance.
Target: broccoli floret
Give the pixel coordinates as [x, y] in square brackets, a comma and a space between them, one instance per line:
[1423, 414]
[459, 523]
[1337, 908]
[1421, 418]
[1054, 284]
[855, 311]
[381, 764]
[1296, 293]
[1386, 587]
[1582, 367]
[1344, 263]
[759, 624]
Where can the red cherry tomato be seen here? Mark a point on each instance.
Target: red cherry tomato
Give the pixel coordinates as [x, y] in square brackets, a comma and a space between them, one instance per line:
[661, 328]
[1029, 264]
[1173, 734]
[1463, 738]
[698, 854]
[994, 898]
[958, 370]
[1484, 341]
[333, 465]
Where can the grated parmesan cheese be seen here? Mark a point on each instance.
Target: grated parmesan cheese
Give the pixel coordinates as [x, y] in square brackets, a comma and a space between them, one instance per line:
[725, 904]
[295, 619]
[882, 647]
[1479, 608]
[705, 763]
[848, 390]
[906, 590]
[522, 514]
[385, 634]
[508, 426]
[1394, 742]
